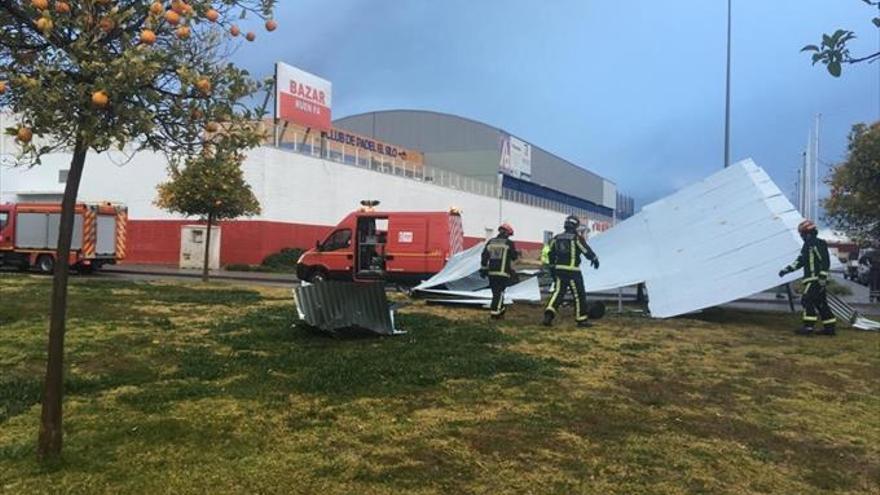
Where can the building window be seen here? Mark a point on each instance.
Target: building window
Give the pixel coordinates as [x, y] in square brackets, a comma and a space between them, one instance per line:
[62, 176]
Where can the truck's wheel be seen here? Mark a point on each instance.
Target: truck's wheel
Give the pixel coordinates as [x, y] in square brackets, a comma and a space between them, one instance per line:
[46, 263]
[318, 275]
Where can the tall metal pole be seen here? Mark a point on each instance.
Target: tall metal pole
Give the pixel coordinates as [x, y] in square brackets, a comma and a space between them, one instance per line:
[727, 94]
[814, 207]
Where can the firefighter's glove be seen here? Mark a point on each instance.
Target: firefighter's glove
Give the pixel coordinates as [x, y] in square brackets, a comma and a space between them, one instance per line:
[595, 263]
[552, 271]
[484, 273]
[783, 272]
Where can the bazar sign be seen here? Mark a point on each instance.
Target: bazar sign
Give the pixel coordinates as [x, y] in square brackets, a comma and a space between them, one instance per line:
[364, 143]
[302, 98]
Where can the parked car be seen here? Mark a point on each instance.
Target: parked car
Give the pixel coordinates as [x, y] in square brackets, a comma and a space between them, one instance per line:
[864, 268]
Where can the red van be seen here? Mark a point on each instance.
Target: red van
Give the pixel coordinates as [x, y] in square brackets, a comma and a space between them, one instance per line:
[402, 247]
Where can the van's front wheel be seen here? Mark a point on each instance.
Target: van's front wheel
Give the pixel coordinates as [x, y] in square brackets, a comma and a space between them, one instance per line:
[318, 275]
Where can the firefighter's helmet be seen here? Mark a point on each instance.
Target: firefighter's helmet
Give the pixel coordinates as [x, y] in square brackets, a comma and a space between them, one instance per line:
[507, 228]
[572, 222]
[806, 227]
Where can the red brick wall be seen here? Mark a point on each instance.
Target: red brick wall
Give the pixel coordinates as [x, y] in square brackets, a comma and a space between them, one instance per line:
[157, 242]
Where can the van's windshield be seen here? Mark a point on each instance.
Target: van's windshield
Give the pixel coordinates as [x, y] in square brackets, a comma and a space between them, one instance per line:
[340, 239]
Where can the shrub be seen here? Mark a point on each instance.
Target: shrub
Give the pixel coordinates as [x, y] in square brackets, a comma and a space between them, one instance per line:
[283, 260]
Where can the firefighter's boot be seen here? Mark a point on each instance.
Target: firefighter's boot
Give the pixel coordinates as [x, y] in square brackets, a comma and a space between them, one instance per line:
[829, 330]
[804, 330]
[584, 324]
[548, 318]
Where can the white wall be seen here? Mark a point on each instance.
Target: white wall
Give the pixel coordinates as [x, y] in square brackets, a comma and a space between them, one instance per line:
[290, 187]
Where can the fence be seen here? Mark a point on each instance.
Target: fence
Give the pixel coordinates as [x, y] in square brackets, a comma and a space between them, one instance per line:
[311, 145]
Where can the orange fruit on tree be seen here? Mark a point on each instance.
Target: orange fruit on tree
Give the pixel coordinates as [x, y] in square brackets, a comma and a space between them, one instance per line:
[100, 98]
[204, 86]
[24, 135]
[234, 30]
[148, 37]
[107, 24]
[178, 6]
[2, 87]
[156, 8]
[45, 24]
[40, 4]
[212, 15]
[251, 36]
[62, 7]
[172, 17]
[212, 127]
[183, 32]
[271, 25]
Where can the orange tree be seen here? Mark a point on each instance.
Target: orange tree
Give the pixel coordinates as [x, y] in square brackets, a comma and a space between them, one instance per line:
[88, 75]
[210, 185]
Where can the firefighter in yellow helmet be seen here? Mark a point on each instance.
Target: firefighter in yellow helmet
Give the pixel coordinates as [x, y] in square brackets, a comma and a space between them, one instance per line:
[497, 264]
[563, 256]
[815, 261]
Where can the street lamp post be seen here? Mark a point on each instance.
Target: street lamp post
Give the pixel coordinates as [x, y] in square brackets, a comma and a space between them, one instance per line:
[727, 94]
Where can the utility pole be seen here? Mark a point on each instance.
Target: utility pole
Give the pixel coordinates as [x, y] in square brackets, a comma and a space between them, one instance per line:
[814, 184]
[727, 93]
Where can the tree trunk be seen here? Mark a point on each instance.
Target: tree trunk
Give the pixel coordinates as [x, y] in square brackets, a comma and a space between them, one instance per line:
[205, 275]
[49, 444]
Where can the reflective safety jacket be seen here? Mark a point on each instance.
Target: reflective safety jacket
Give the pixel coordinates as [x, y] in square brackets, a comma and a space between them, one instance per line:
[498, 257]
[814, 259]
[565, 250]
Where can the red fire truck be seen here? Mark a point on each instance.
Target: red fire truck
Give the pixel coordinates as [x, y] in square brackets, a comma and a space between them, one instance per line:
[29, 235]
[402, 247]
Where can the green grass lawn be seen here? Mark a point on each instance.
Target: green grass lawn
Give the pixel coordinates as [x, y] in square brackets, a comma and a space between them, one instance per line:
[187, 388]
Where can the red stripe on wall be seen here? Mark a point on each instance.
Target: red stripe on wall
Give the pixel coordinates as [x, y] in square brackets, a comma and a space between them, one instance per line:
[241, 241]
[157, 242]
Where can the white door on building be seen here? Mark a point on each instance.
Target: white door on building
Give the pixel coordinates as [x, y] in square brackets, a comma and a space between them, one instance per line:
[192, 247]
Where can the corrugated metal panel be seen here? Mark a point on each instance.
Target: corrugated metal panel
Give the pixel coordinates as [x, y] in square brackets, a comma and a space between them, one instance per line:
[77, 239]
[554, 172]
[40, 231]
[335, 306]
[31, 230]
[610, 194]
[432, 132]
[106, 234]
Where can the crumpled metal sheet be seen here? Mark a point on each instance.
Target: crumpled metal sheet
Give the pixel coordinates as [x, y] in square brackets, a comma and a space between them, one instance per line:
[459, 273]
[461, 279]
[847, 313]
[336, 306]
[526, 291]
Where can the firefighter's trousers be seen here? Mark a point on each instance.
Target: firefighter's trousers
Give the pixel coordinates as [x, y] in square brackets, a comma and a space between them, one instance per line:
[498, 283]
[815, 302]
[569, 280]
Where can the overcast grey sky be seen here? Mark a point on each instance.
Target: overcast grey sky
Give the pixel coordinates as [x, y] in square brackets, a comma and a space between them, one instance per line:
[633, 90]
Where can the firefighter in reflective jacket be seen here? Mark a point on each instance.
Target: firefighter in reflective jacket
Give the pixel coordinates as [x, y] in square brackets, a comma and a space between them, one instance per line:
[815, 261]
[497, 263]
[563, 256]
